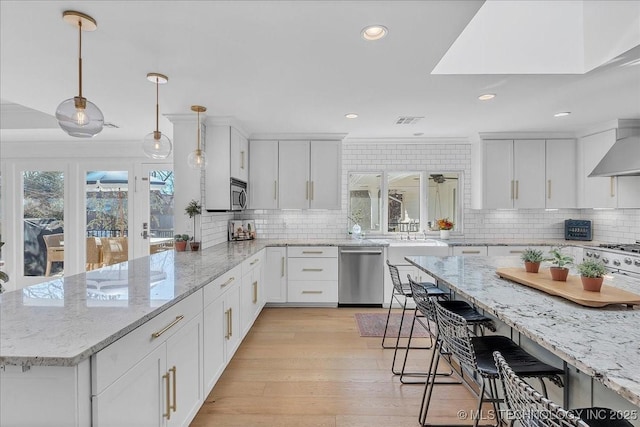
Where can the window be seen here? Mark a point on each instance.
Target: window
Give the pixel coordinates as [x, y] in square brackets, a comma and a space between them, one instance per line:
[403, 201]
[443, 199]
[365, 205]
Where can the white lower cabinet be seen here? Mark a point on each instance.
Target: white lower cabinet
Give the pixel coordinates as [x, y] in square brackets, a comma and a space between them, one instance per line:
[164, 388]
[251, 291]
[312, 274]
[275, 275]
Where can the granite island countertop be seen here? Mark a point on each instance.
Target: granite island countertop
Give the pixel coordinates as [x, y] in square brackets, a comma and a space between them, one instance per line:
[67, 319]
[602, 342]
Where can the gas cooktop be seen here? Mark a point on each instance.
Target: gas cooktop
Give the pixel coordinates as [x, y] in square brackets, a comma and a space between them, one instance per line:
[630, 247]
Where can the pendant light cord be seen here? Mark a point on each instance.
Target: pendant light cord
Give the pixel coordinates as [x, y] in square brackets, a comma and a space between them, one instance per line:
[80, 58]
[157, 104]
[198, 131]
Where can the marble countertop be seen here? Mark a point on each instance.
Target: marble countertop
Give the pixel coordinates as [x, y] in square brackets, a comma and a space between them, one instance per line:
[602, 342]
[67, 319]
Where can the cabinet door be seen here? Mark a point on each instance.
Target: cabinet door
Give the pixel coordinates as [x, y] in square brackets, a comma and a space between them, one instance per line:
[275, 275]
[137, 398]
[239, 156]
[561, 173]
[293, 174]
[263, 175]
[598, 192]
[214, 328]
[498, 174]
[528, 173]
[325, 175]
[250, 297]
[184, 365]
[232, 328]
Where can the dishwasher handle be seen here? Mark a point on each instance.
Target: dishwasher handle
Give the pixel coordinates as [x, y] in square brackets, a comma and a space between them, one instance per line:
[366, 252]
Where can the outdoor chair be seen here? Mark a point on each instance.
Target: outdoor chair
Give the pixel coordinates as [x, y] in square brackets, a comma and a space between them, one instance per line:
[114, 250]
[55, 250]
[93, 260]
[531, 408]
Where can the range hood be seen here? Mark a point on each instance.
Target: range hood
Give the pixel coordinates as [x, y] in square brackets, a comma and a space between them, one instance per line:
[623, 159]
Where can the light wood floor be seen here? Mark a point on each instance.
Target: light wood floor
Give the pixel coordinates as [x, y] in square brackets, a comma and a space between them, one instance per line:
[310, 367]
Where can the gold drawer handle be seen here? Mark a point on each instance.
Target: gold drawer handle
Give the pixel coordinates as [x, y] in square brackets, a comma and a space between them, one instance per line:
[255, 292]
[312, 269]
[312, 252]
[228, 315]
[254, 261]
[470, 252]
[167, 415]
[513, 251]
[166, 328]
[231, 279]
[174, 406]
[311, 292]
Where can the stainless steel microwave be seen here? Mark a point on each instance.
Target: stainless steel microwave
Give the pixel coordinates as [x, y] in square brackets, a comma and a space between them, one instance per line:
[238, 195]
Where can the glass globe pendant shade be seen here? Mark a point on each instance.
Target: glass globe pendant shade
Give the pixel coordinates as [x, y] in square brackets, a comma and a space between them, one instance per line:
[79, 118]
[197, 159]
[156, 145]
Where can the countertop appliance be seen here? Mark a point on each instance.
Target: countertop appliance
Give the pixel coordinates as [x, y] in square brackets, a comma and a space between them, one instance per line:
[618, 258]
[238, 195]
[361, 279]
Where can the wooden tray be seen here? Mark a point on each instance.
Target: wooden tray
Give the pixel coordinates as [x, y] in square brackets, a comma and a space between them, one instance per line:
[571, 289]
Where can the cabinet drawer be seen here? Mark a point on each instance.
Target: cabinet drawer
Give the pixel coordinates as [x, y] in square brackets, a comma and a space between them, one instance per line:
[312, 252]
[220, 284]
[470, 250]
[312, 269]
[117, 358]
[252, 262]
[313, 291]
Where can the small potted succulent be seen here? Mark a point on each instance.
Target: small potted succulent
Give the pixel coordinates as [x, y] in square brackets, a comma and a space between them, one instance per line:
[194, 209]
[181, 241]
[591, 274]
[560, 271]
[532, 259]
[445, 226]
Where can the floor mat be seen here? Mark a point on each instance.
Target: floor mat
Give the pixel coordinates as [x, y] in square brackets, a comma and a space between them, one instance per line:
[372, 325]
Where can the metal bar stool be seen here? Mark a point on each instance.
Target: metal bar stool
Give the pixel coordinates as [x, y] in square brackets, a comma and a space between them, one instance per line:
[425, 307]
[402, 294]
[531, 408]
[477, 353]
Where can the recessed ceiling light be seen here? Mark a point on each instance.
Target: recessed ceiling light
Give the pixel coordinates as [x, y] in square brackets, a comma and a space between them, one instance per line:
[351, 116]
[486, 96]
[374, 32]
[562, 114]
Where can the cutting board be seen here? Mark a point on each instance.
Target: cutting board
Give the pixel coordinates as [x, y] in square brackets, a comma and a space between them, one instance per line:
[571, 289]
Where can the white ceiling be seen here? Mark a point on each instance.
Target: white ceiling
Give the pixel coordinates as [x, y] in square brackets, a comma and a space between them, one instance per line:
[298, 67]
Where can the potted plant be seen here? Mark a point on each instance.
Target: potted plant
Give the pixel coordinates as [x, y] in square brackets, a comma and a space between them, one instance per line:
[559, 272]
[532, 259]
[181, 241]
[194, 209]
[591, 274]
[445, 226]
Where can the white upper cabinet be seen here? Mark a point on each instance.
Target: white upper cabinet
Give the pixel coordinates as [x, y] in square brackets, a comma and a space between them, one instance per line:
[263, 175]
[239, 156]
[308, 175]
[514, 173]
[227, 155]
[293, 175]
[561, 174]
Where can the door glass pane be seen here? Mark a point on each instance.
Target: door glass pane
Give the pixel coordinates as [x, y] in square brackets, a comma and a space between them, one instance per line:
[160, 210]
[43, 213]
[365, 204]
[107, 201]
[403, 201]
[443, 200]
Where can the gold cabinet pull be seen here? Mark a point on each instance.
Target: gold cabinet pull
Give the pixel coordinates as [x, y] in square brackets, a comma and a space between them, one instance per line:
[166, 328]
[231, 279]
[282, 268]
[548, 189]
[230, 322]
[311, 292]
[513, 251]
[307, 193]
[254, 261]
[311, 197]
[470, 252]
[517, 188]
[228, 334]
[174, 374]
[312, 252]
[255, 292]
[167, 415]
[275, 190]
[312, 269]
[512, 189]
[242, 160]
[613, 187]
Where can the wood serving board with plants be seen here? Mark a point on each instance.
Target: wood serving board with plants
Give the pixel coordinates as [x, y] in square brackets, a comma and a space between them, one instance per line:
[571, 289]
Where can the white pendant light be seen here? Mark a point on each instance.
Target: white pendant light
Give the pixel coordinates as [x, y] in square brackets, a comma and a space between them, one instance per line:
[77, 116]
[156, 145]
[198, 159]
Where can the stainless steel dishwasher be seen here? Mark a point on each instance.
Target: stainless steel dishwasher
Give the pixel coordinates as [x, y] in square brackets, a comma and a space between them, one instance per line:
[361, 280]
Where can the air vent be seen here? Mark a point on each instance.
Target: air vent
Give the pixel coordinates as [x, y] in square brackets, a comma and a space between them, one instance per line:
[408, 120]
[111, 125]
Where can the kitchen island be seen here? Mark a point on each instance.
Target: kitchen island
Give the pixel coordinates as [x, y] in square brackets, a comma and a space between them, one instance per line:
[600, 346]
